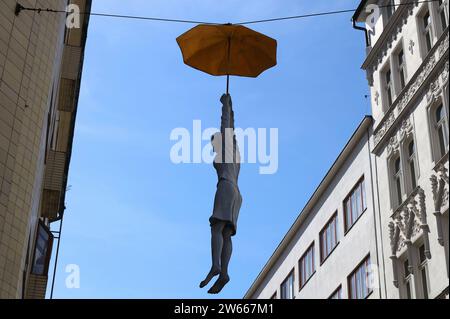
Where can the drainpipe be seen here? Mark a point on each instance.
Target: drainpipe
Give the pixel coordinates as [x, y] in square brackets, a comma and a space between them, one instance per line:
[366, 33]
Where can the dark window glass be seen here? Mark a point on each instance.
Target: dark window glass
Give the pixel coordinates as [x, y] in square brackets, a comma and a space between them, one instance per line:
[355, 204]
[358, 281]
[412, 164]
[402, 68]
[398, 181]
[306, 266]
[427, 31]
[43, 249]
[287, 287]
[442, 15]
[337, 294]
[328, 238]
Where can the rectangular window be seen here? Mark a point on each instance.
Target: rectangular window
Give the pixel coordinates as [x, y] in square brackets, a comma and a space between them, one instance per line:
[328, 238]
[442, 15]
[441, 131]
[423, 271]
[355, 204]
[390, 8]
[287, 287]
[306, 266]
[427, 32]
[337, 294]
[401, 69]
[412, 164]
[42, 251]
[388, 88]
[407, 281]
[397, 176]
[358, 281]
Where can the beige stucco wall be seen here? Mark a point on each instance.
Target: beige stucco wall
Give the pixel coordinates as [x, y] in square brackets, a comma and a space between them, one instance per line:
[31, 47]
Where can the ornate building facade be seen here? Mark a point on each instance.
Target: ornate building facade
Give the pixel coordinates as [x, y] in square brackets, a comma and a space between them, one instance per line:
[407, 66]
[40, 73]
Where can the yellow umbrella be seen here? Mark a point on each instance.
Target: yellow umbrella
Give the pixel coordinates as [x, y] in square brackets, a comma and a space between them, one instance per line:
[228, 49]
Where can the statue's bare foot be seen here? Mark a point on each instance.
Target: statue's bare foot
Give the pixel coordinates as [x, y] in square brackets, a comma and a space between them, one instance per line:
[219, 284]
[212, 273]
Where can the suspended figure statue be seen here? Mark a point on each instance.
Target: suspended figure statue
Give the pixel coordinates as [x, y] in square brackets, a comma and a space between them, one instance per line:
[227, 201]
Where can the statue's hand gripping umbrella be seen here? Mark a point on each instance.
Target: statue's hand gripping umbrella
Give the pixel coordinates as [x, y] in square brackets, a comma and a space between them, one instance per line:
[226, 50]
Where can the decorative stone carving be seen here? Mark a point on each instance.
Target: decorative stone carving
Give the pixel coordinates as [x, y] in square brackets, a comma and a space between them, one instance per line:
[444, 74]
[377, 97]
[393, 146]
[408, 222]
[411, 46]
[406, 129]
[440, 190]
[414, 86]
[434, 91]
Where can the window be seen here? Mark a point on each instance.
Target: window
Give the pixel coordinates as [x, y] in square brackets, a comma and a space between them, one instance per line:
[390, 9]
[441, 131]
[358, 281]
[337, 294]
[287, 287]
[407, 280]
[442, 15]
[401, 69]
[306, 265]
[397, 176]
[423, 271]
[412, 164]
[355, 204]
[427, 32]
[388, 88]
[328, 238]
[43, 250]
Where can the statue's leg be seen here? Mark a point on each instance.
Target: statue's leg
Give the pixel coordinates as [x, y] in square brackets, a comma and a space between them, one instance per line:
[216, 251]
[225, 260]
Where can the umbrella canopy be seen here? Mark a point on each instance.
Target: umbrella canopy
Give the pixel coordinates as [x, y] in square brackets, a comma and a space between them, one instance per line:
[228, 49]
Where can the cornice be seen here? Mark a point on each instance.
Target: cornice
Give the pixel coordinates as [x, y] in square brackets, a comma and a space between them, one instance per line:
[431, 75]
[388, 37]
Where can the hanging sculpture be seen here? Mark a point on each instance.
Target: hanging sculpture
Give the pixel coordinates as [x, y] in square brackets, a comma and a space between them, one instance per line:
[226, 50]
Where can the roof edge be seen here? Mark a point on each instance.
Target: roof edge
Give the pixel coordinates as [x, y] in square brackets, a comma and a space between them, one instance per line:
[340, 160]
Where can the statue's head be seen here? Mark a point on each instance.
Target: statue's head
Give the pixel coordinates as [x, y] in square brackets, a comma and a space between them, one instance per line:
[216, 142]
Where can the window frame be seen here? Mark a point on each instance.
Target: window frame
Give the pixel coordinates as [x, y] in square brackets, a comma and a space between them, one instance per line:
[302, 284]
[407, 172]
[407, 290]
[338, 292]
[388, 87]
[363, 199]
[49, 246]
[432, 122]
[401, 69]
[424, 284]
[291, 274]
[366, 263]
[423, 30]
[322, 240]
[396, 198]
[442, 9]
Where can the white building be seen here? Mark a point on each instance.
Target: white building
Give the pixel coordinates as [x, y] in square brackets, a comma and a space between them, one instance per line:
[396, 245]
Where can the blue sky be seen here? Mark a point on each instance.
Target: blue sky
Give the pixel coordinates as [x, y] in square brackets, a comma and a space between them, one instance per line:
[137, 224]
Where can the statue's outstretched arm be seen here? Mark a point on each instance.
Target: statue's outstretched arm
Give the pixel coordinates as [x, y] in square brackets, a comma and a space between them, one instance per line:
[227, 116]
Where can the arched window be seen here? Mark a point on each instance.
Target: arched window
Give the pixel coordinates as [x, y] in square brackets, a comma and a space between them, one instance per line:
[441, 133]
[397, 176]
[412, 164]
